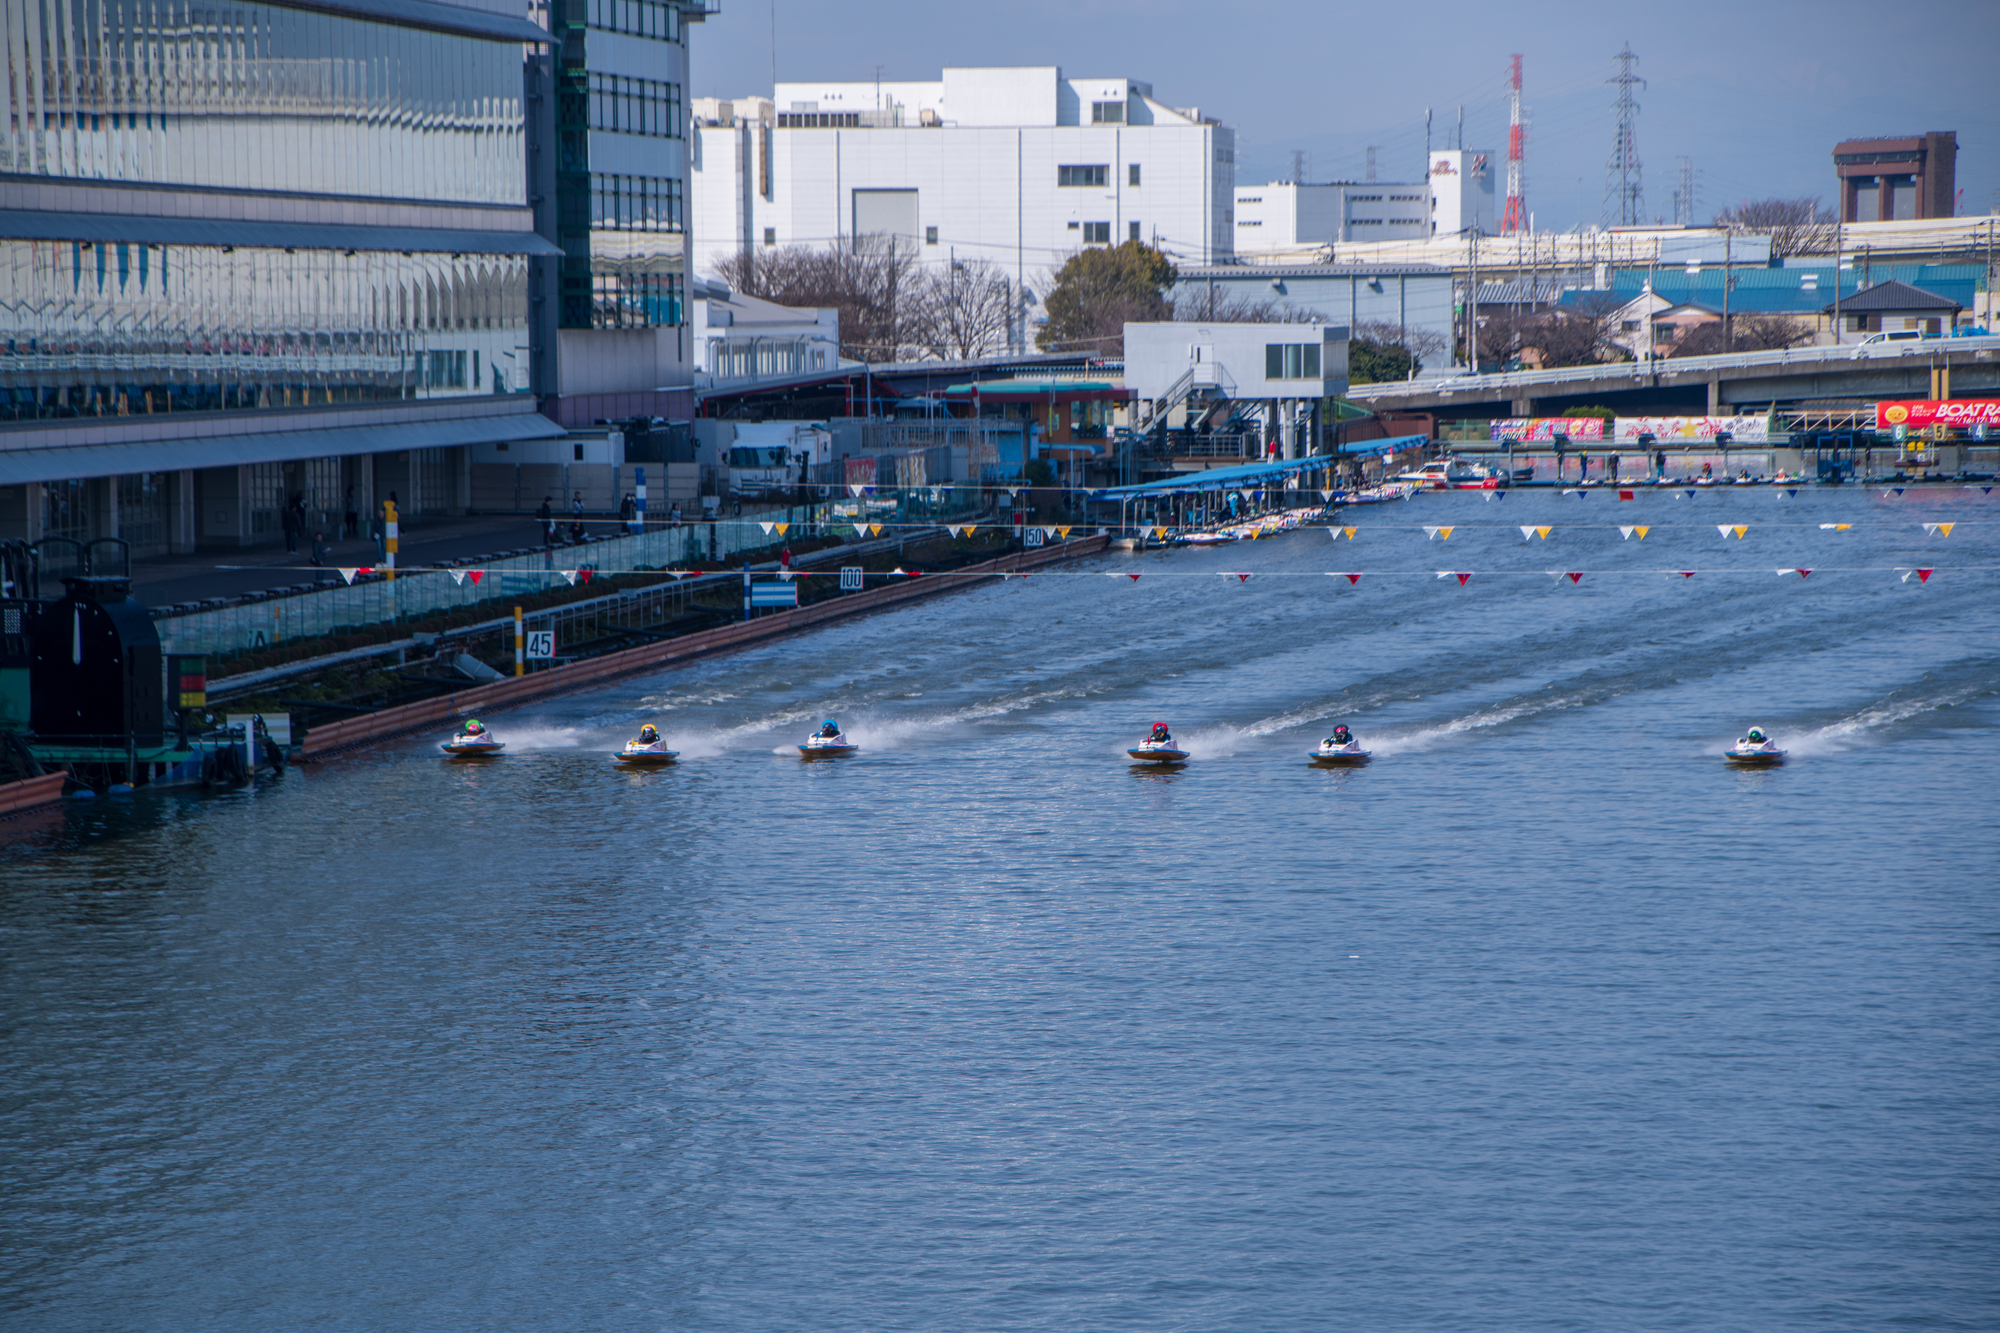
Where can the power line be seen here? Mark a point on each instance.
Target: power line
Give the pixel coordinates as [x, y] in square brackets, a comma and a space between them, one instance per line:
[1624, 186]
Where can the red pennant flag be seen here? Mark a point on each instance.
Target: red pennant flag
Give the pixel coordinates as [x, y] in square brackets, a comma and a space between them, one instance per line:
[475, 575]
[1687, 573]
[1242, 578]
[1462, 578]
[1133, 577]
[1353, 579]
[1624, 495]
[365, 569]
[1575, 577]
[916, 573]
[1805, 573]
[584, 574]
[1923, 576]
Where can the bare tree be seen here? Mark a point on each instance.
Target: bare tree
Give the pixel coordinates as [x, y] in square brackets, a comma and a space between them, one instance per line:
[965, 311]
[872, 281]
[1204, 305]
[1752, 333]
[1422, 344]
[1575, 334]
[1800, 226]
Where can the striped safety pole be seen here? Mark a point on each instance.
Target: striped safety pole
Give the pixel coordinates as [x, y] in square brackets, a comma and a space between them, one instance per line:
[389, 541]
[639, 494]
[746, 593]
[520, 645]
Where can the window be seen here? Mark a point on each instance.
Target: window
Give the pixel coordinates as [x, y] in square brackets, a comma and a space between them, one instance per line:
[1132, 231]
[930, 235]
[635, 203]
[1250, 222]
[1074, 225]
[1107, 113]
[1291, 361]
[635, 106]
[770, 235]
[819, 120]
[1082, 176]
[1630, 326]
[1097, 233]
[642, 18]
[635, 300]
[1132, 175]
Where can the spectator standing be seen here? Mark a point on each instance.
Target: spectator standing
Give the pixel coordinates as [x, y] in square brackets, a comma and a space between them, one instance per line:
[546, 515]
[294, 522]
[351, 527]
[576, 517]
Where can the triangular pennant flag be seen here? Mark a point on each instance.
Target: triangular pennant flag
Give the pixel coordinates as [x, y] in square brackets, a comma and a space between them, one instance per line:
[1444, 534]
[458, 577]
[1642, 529]
[1133, 577]
[767, 528]
[1739, 530]
[1788, 571]
[1625, 495]
[781, 528]
[1462, 578]
[1723, 528]
[1923, 575]
[569, 575]
[1444, 573]
[1160, 533]
[1789, 492]
[1835, 527]
[1242, 578]
[348, 574]
[786, 576]
[1325, 496]
[1527, 534]
[1060, 532]
[585, 574]
[1430, 534]
[874, 529]
[1944, 529]
[1893, 490]
[1555, 574]
[1687, 495]
[1805, 573]
[1352, 579]
[475, 575]
[854, 491]
[1048, 532]
[1575, 576]
[1543, 532]
[1687, 573]
[1626, 532]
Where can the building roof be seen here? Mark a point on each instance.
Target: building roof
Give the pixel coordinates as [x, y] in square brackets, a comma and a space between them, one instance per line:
[1893, 295]
[1796, 289]
[1539, 291]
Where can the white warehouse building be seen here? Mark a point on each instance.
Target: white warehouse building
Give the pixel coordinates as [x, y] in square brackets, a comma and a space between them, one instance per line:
[1019, 166]
[1279, 220]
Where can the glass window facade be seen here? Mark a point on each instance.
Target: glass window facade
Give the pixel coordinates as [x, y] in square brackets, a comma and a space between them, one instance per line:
[659, 19]
[244, 96]
[126, 330]
[635, 203]
[635, 106]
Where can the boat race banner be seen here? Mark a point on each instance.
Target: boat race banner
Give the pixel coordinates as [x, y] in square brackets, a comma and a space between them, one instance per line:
[1928, 412]
[1673, 430]
[1543, 430]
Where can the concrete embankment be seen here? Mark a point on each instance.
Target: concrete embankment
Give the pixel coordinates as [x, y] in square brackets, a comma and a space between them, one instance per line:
[368, 728]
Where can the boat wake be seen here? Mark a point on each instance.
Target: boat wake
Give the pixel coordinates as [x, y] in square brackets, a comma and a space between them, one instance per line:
[1858, 728]
[1425, 738]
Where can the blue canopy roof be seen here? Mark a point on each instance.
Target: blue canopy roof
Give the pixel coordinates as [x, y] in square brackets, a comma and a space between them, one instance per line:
[1216, 479]
[1383, 448]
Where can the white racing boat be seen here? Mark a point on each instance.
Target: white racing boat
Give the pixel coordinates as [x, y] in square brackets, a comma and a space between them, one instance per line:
[645, 754]
[473, 747]
[1755, 750]
[1158, 748]
[827, 743]
[1350, 755]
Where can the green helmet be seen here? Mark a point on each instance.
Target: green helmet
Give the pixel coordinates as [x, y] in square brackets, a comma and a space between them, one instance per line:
[1757, 735]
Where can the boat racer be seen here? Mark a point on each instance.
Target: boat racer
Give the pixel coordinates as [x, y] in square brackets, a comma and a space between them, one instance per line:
[1758, 741]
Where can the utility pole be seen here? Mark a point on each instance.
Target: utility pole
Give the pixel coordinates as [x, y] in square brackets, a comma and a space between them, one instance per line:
[1728, 281]
[1684, 193]
[1370, 169]
[1427, 143]
[1838, 223]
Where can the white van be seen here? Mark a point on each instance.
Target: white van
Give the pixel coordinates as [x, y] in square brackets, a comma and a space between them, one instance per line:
[1899, 336]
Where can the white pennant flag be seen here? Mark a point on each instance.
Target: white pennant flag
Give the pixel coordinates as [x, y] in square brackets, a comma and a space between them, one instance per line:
[854, 490]
[349, 574]
[767, 528]
[1625, 532]
[1048, 532]
[458, 577]
[1527, 534]
[569, 576]
[1325, 496]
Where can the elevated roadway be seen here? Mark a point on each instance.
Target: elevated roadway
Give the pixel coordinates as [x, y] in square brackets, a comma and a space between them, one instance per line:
[1803, 377]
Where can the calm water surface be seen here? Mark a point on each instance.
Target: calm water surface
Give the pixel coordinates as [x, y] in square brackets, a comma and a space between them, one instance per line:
[1542, 1021]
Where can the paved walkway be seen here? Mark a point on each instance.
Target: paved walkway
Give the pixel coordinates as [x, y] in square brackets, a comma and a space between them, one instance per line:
[188, 578]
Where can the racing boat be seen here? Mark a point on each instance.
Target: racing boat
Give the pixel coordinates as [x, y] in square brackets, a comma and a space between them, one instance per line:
[1350, 755]
[1158, 748]
[827, 743]
[482, 746]
[645, 754]
[1756, 750]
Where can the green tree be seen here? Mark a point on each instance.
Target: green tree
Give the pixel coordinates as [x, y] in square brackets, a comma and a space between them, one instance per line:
[1098, 291]
[1372, 362]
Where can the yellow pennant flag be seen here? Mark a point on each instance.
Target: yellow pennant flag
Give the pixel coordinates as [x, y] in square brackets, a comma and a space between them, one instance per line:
[1642, 529]
[1060, 532]
[1350, 532]
[1740, 529]
[1160, 533]
[1543, 533]
[781, 528]
[875, 529]
[1944, 529]
[1444, 534]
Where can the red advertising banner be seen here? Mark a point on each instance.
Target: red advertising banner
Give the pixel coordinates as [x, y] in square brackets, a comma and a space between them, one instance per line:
[1929, 412]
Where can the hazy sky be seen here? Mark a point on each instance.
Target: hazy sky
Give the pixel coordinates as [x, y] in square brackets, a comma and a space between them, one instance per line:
[1757, 92]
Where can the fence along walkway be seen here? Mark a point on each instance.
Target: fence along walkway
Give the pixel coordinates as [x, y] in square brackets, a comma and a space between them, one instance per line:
[375, 601]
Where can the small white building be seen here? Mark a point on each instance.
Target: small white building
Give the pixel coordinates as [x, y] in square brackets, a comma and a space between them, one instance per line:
[1461, 193]
[1277, 374]
[744, 340]
[1286, 216]
[1021, 167]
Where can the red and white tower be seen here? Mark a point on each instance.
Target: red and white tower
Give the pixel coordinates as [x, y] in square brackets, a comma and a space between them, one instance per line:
[1515, 219]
